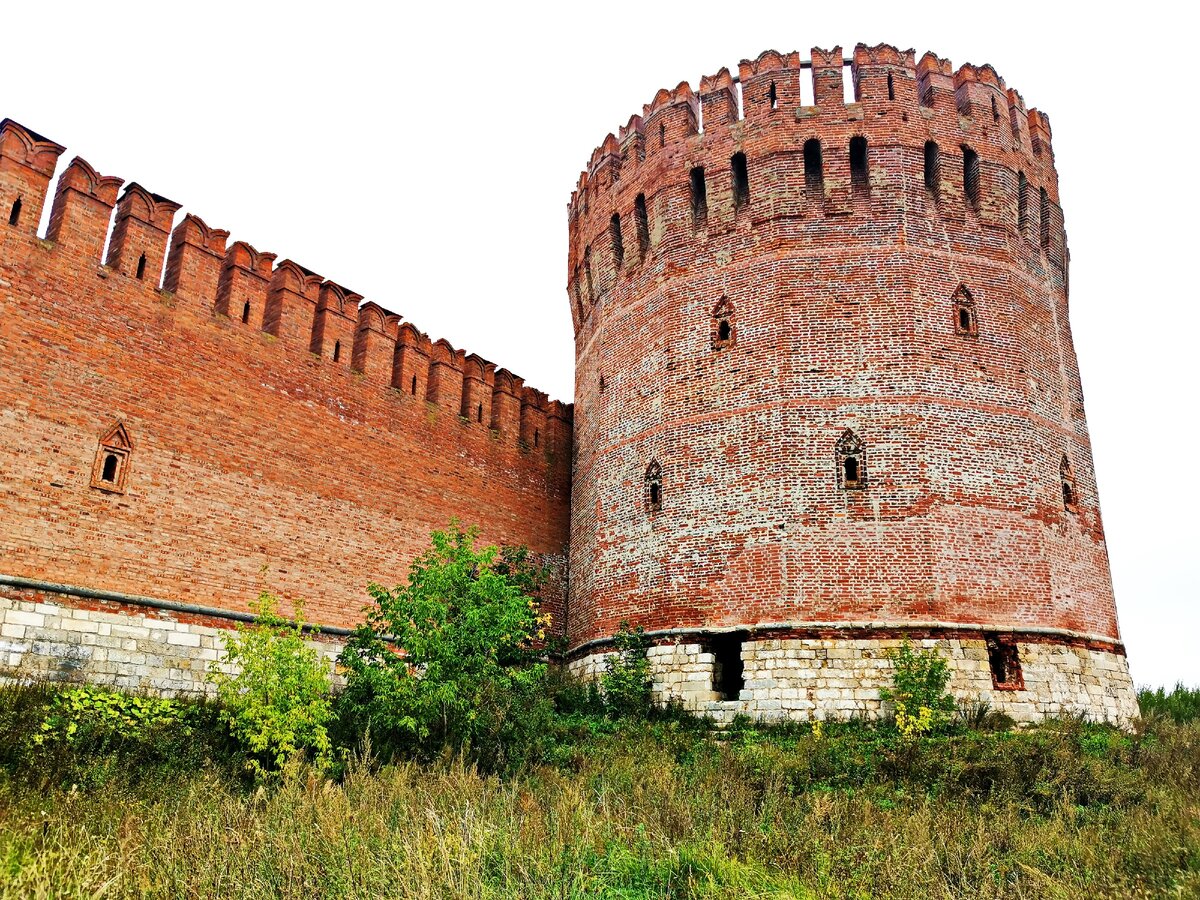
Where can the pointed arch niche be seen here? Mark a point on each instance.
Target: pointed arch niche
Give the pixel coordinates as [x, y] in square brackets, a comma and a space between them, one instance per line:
[966, 321]
[110, 471]
[1067, 476]
[653, 487]
[724, 326]
[851, 456]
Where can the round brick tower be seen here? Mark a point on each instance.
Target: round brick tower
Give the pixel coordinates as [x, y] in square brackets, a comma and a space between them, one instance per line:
[827, 397]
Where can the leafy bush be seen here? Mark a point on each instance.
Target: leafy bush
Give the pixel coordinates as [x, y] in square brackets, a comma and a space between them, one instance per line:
[98, 717]
[918, 694]
[453, 658]
[89, 735]
[274, 691]
[626, 678]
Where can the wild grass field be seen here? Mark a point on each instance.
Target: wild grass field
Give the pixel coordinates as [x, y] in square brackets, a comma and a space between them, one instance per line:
[659, 807]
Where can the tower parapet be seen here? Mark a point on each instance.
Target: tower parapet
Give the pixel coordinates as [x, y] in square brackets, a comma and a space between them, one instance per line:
[824, 388]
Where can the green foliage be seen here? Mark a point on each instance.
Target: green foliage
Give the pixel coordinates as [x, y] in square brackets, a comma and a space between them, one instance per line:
[1182, 704]
[68, 734]
[274, 691]
[99, 717]
[918, 694]
[626, 678]
[452, 658]
[649, 809]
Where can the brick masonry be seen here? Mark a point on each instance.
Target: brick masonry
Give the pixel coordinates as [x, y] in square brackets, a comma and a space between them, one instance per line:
[275, 432]
[825, 383]
[763, 289]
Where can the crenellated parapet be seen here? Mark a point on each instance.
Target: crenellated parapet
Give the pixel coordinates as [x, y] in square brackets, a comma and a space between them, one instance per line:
[243, 287]
[747, 152]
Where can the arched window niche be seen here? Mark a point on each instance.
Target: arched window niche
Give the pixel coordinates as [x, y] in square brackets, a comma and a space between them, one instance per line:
[110, 471]
[851, 462]
[654, 489]
[724, 331]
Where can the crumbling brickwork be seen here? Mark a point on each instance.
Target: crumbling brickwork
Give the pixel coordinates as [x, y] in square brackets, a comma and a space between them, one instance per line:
[825, 375]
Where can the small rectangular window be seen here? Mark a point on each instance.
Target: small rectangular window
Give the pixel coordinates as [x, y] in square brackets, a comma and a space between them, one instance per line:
[699, 197]
[741, 180]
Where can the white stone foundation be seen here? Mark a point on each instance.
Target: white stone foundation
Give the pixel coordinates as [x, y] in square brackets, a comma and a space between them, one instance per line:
[811, 678]
[135, 651]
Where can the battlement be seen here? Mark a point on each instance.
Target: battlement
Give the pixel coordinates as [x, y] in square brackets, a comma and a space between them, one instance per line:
[749, 147]
[249, 288]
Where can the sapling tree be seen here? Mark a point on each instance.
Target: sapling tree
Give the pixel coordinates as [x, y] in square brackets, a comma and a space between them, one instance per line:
[450, 657]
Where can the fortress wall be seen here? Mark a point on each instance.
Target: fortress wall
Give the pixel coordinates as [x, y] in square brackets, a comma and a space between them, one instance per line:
[46, 637]
[277, 433]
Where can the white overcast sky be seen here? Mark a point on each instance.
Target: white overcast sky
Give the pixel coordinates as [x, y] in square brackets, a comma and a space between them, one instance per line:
[423, 155]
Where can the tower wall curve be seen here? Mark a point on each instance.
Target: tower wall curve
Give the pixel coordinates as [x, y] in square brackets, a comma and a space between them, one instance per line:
[827, 397]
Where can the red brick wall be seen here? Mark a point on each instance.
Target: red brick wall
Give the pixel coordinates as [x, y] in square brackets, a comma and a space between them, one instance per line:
[255, 463]
[843, 293]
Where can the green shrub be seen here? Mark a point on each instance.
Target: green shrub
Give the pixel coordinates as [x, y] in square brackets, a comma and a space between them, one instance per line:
[89, 735]
[918, 694]
[275, 699]
[1181, 704]
[626, 678]
[452, 658]
[98, 717]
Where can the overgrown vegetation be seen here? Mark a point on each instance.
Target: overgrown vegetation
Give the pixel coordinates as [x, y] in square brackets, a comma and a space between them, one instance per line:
[1180, 704]
[273, 691]
[626, 677]
[457, 763]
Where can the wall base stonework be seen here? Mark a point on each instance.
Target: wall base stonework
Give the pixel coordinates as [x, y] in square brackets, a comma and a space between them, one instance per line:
[838, 678]
[151, 651]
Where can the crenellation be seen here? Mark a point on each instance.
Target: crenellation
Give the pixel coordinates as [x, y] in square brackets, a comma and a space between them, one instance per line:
[243, 285]
[335, 324]
[445, 376]
[27, 162]
[292, 297]
[1039, 136]
[670, 119]
[83, 202]
[477, 390]
[827, 68]
[375, 338]
[506, 405]
[770, 84]
[138, 244]
[195, 261]
[718, 100]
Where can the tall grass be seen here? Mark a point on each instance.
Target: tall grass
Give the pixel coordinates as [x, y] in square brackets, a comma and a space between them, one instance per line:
[657, 810]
